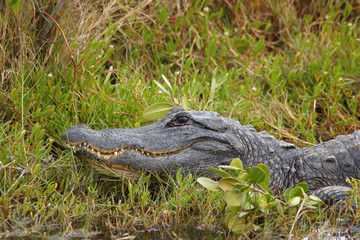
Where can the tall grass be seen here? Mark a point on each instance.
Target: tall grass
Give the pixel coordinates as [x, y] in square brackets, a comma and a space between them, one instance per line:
[288, 67]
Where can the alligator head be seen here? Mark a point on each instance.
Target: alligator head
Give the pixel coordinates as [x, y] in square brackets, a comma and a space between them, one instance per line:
[183, 139]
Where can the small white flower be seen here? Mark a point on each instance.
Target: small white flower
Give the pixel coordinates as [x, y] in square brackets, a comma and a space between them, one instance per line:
[50, 75]
[349, 24]
[340, 79]
[253, 88]
[111, 46]
[226, 33]
[177, 72]
[325, 72]
[159, 92]
[206, 9]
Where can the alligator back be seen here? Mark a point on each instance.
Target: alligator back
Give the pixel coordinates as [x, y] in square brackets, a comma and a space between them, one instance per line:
[330, 163]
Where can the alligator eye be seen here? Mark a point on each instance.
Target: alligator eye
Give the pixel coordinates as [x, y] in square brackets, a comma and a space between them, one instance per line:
[182, 119]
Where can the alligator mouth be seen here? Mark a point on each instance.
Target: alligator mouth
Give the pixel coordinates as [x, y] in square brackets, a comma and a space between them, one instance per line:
[100, 158]
[102, 153]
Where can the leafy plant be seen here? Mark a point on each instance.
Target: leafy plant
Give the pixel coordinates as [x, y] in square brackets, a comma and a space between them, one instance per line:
[249, 199]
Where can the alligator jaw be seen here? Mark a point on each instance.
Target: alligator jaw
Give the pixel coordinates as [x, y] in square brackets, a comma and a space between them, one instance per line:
[106, 154]
[101, 159]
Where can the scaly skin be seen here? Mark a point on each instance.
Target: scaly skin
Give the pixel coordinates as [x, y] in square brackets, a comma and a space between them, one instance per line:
[196, 140]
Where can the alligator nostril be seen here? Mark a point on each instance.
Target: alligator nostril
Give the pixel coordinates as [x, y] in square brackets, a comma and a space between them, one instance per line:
[76, 134]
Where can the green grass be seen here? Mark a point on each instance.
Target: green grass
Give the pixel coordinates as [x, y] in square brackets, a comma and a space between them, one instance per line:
[291, 69]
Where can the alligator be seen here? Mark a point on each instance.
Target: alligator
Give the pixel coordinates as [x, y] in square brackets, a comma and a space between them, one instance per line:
[193, 141]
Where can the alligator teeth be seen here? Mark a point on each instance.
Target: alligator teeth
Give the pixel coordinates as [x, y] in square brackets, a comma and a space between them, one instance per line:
[73, 147]
[115, 153]
[142, 151]
[92, 149]
[98, 154]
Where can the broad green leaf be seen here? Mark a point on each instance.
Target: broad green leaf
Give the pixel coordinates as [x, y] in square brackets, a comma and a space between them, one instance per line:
[237, 163]
[294, 201]
[303, 185]
[227, 184]
[248, 206]
[239, 226]
[256, 174]
[156, 111]
[235, 223]
[235, 198]
[209, 184]
[243, 177]
[229, 217]
[315, 198]
[296, 192]
[287, 194]
[313, 201]
[266, 183]
[219, 171]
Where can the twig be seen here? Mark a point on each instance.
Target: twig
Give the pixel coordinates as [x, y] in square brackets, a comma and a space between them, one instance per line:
[71, 56]
[236, 15]
[48, 25]
[66, 42]
[296, 218]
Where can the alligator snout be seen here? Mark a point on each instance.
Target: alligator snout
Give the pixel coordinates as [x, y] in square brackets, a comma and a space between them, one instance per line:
[76, 134]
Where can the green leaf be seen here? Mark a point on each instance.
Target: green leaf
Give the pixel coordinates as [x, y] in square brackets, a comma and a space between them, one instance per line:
[243, 177]
[237, 163]
[16, 6]
[287, 194]
[51, 188]
[156, 111]
[296, 192]
[227, 184]
[294, 201]
[209, 184]
[240, 44]
[303, 185]
[219, 171]
[266, 170]
[256, 174]
[235, 198]
[36, 169]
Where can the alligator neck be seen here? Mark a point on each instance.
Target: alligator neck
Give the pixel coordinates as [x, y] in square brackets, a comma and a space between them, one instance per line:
[279, 156]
